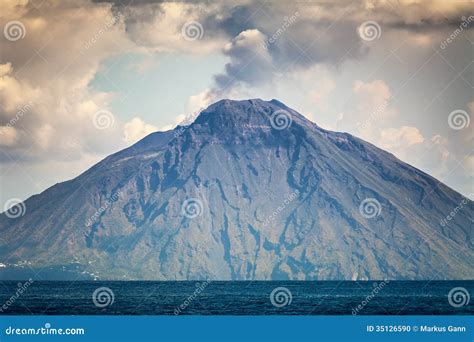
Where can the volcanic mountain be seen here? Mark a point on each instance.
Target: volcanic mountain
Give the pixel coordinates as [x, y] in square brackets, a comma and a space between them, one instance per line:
[250, 190]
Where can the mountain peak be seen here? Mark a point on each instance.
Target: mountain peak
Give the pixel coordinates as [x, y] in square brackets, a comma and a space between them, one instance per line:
[251, 113]
[236, 106]
[256, 103]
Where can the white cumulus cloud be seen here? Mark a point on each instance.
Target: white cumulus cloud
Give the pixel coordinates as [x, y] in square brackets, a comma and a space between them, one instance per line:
[137, 129]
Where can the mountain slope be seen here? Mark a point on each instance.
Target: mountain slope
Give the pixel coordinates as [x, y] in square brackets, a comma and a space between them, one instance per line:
[250, 190]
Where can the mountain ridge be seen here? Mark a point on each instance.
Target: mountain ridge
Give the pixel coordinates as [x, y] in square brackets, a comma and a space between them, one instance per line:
[241, 160]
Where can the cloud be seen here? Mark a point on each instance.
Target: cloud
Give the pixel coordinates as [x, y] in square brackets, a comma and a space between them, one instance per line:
[249, 63]
[200, 101]
[394, 139]
[5, 69]
[317, 63]
[161, 27]
[14, 93]
[48, 73]
[8, 136]
[137, 129]
[371, 94]
[321, 91]
[373, 97]
[469, 164]
[368, 110]
[306, 33]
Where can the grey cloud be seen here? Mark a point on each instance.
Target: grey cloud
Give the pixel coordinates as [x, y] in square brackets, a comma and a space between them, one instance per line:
[250, 61]
[323, 32]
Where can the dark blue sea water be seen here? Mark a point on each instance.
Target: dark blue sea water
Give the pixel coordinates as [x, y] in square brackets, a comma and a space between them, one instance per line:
[237, 298]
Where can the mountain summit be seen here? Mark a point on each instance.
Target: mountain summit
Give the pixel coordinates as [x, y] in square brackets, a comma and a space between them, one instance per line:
[249, 190]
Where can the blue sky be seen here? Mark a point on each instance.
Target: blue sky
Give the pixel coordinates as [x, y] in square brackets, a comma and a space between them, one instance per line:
[156, 92]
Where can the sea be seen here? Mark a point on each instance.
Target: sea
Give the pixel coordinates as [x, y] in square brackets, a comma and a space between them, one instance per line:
[236, 297]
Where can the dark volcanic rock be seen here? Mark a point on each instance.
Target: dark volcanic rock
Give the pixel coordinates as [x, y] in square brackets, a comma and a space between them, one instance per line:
[233, 196]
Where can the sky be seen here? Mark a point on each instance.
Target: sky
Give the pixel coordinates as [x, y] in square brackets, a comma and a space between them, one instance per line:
[81, 79]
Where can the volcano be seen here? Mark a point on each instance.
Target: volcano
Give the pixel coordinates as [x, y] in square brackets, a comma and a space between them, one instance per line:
[251, 190]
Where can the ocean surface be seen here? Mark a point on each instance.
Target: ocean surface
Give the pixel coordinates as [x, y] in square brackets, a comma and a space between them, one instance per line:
[237, 298]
